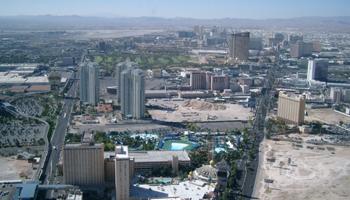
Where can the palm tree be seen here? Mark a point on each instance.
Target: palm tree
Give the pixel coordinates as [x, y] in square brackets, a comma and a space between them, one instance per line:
[281, 164]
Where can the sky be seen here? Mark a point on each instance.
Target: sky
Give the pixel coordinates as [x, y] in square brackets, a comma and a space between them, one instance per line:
[199, 9]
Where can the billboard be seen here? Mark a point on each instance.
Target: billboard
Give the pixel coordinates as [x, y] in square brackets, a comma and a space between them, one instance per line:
[54, 80]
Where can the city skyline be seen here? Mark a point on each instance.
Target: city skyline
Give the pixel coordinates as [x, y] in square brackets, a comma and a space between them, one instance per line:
[270, 9]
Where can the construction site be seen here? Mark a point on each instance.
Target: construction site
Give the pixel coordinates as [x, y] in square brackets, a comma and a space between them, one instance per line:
[290, 170]
[13, 169]
[193, 110]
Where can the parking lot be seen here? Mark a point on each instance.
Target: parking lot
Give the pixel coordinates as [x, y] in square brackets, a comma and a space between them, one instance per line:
[7, 191]
[29, 106]
[20, 134]
[104, 83]
[154, 83]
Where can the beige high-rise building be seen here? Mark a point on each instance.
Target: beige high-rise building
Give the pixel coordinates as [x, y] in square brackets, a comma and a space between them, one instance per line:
[122, 173]
[83, 163]
[145, 161]
[206, 81]
[291, 108]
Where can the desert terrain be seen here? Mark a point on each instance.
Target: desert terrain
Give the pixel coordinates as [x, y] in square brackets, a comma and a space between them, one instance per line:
[11, 169]
[319, 173]
[198, 110]
[326, 115]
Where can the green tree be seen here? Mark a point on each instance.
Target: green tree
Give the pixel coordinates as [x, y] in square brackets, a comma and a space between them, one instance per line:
[281, 164]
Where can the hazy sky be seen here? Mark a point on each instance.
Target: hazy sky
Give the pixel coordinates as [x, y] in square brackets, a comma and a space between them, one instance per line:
[201, 9]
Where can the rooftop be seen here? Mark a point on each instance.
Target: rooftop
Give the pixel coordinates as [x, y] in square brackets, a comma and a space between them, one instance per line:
[154, 156]
[122, 152]
[291, 95]
[188, 189]
[158, 156]
[38, 88]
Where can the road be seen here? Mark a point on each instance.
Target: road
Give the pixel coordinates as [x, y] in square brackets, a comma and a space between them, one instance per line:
[250, 172]
[57, 140]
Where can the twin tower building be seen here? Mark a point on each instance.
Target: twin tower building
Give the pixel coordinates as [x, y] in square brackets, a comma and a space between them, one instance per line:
[130, 84]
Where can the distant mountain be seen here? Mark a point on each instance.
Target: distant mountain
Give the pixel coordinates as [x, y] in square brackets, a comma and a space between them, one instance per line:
[74, 22]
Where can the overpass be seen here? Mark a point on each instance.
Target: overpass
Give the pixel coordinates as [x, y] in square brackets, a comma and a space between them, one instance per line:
[31, 189]
[47, 150]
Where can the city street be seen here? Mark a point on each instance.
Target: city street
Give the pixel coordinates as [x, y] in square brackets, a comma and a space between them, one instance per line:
[57, 140]
[250, 173]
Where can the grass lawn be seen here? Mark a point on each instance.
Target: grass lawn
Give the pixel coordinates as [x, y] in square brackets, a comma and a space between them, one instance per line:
[175, 60]
[97, 59]
[150, 60]
[163, 61]
[119, 59]
[182, 58]
[109, 59]
[194, 58]
[167, 144]
[145, 61]
[138, 60]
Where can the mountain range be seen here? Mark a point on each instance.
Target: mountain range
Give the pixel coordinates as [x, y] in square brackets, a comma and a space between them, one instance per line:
[74, 22]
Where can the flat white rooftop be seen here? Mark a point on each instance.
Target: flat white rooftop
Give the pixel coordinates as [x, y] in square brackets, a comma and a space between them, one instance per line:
[153, 156]
[185, 189]
[122, 152]
[158, 156]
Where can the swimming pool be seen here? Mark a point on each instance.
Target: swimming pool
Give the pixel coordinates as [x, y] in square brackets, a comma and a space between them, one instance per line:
[218, 149]
[178, 146]
[162, 181]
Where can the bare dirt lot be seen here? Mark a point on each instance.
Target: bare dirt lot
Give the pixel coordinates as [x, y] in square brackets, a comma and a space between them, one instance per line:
[195, 110]
[11, 168]
[326, 115]
[311, 174]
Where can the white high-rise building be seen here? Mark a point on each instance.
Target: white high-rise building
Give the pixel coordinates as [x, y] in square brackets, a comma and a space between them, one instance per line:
[84, 82]
[138, 79]
[89, 83]
[121, 67]
[132, 93]
[122, 179]
[311, 70]
[94, 83]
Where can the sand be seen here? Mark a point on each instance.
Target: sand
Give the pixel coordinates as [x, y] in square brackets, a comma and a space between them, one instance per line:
[11, 168]
[312, 174]
[326, 115]
[198, 111]
[202, 105]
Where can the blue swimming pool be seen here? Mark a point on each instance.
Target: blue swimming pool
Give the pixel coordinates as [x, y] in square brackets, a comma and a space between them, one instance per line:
[178, 146]
[162, 181]
[218, 149]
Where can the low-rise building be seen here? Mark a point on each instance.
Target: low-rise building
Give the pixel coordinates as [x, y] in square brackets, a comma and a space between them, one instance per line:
[105, 108]
[196, 94]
